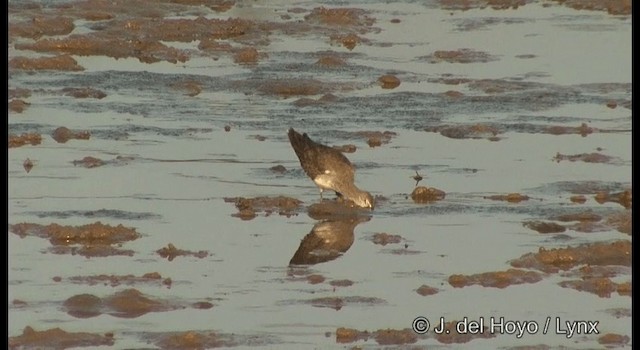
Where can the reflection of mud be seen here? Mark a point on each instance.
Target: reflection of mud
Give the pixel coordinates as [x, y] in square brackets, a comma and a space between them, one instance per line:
[93, 162]
[129, 303]
[56, 338]
[338, 303]
[381, 336]
[586, 222]
[114, 280]
[84, 93]
[511, 197]
[101, 213]
[385, 238]
[499, 279]
[452, 336]
[477, 131]
[615, 7]
[553, 260]
[170, 252]
[92, 240]
[197, 339]
[603, 287]
[544, 227]
[459, 56]
[327, 241]
[584, 157]
[249, 207]
[63, 134]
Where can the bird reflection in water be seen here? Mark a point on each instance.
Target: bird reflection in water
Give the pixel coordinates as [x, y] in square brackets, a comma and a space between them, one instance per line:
[327, 240]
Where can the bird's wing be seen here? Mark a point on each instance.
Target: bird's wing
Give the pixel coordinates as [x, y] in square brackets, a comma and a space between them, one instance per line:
[317, 159]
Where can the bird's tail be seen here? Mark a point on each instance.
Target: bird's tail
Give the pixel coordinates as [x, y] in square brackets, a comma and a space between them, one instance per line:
[298, 142]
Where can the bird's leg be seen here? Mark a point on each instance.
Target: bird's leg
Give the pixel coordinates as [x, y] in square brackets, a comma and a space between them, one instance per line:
[320, 188]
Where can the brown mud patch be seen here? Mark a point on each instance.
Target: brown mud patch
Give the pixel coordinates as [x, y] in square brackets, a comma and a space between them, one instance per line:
[389, 81]
[170, 252]
[248, 56]
[63, 134]
[129, 303]
[544, 227]
[511, 197]
[298, 87]
[91, 250]
[340, 17]
[278, 169]
[375, 138]
[60, 63]
[93, 162]
[498, 279]
[341, 283]
[614, 340]
[476, 131]
[18, 106]
[349, 148]
[554, 260]
[92, 240]
[204, 340]
[423, 194]
[452, 336]
[189, 87]
[324, 100]
[582, 130]
[459, 56]
[85, 92]
[19, 93]
[350, 41]
[602, 287]
[153, 278]
[584, 157]
[248, 208]
[385, 238]
[27, 165]
[315, 279]
[24, 139]
[338, 303]
[56, 338]
[41, 26]
[381, 336]
[465, 5]
[330, 61]
[613, 7]
[623, 198]
[580, 199]
[425, 290]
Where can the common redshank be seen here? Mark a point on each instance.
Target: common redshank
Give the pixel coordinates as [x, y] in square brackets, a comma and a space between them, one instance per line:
[329, 169]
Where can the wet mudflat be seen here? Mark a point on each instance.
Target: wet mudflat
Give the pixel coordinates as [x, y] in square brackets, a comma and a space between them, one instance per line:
[155, 201]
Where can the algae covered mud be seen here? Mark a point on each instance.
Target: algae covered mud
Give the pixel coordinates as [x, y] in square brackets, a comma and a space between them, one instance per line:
[155, 200]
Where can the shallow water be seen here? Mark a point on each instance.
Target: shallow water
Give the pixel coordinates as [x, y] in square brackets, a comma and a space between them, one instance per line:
[183, 164]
